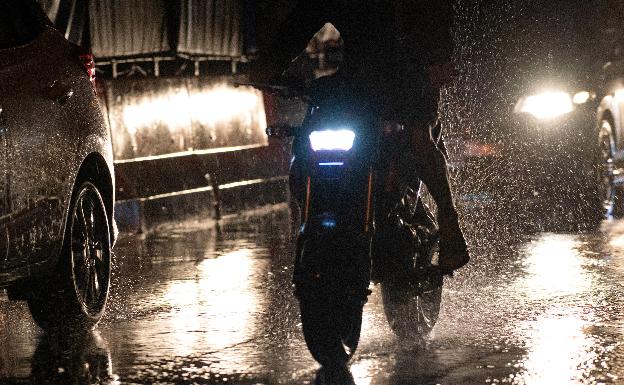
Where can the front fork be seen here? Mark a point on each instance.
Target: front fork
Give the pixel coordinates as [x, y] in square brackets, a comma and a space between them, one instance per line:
[333, 260]
[302, 187]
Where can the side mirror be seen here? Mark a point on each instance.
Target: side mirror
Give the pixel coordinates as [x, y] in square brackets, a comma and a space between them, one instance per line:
[616, 54]
[280, 131]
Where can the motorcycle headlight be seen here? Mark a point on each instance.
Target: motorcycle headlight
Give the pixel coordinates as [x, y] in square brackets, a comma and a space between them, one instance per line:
[546, 105]
[332, 140]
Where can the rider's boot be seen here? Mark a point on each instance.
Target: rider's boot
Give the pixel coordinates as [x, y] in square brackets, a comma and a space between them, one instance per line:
[453, 249]
[427, 229]
[424, 217]
[430, 166]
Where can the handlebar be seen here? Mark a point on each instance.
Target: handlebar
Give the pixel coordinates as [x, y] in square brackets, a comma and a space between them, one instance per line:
[280, 131]
[285, 91]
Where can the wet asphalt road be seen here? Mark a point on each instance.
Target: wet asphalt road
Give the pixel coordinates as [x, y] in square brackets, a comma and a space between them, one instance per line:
[195, 305]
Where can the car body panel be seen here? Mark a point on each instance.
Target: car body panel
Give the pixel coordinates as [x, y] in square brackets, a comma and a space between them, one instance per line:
[4, 204]
[33, 117]
[50, 125]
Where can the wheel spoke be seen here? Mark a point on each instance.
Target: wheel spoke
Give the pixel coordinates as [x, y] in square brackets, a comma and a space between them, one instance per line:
[88, 290]
[95, 283]
[80, 254]
[78, 247]
[92, 226]
[85, 288]
[82, 218]
[88, 220]
[98, 252]
[90, 249]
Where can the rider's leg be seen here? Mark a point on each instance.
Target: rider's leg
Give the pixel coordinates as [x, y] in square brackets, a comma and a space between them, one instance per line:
[423, 215]
[429, 163]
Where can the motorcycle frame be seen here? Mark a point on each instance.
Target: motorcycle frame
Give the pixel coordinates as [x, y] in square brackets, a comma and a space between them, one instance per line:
[343, 200]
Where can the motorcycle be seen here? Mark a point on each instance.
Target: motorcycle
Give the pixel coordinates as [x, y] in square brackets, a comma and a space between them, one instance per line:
[357, 218]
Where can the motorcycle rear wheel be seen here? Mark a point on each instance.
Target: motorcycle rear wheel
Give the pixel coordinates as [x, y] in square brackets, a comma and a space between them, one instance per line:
[411, 312]
[412, 297]
[411, 289]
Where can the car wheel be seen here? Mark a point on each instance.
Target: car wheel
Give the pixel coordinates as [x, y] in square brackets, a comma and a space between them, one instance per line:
[75, 296]
[597, 189]
[606, 178]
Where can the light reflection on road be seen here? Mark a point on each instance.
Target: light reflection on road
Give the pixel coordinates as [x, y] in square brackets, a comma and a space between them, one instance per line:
[559, 352]
[554, 267]
[559, 275]
[223, 288]
[362, 372]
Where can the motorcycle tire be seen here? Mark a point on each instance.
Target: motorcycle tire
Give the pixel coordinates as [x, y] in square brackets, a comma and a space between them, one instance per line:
[331, 330]
[331, 281]
[412, 295]
[411, 290]
[411, 313]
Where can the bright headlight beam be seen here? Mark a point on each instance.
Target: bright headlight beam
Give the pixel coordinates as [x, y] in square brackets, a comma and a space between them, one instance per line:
[547, 105]
[581, 97]
[332, 140]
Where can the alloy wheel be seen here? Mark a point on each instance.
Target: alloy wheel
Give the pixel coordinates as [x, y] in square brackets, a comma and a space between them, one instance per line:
[90, 250]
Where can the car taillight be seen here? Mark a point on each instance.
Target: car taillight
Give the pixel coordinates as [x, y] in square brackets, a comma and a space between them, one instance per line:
[89, 64]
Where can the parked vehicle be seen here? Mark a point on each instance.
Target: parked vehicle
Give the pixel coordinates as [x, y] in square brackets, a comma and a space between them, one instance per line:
[56, 174]
[343, 155]
[552, 153]
[564, 143]
[610, 129]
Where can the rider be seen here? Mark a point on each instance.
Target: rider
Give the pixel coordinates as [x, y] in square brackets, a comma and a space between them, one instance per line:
[397, 54]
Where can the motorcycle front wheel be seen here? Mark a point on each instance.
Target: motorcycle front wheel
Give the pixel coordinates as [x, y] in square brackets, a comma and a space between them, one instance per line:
[331, 330]
[331, 281]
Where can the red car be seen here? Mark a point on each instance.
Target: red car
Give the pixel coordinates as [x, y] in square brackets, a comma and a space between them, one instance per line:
[56, 174]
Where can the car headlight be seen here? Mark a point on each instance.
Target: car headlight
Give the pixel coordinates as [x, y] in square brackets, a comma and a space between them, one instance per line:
[582, 97]
[546, 105]
[332, 140]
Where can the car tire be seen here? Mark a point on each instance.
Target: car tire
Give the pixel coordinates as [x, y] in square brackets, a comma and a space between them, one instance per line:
[74, 297]
[600, 191]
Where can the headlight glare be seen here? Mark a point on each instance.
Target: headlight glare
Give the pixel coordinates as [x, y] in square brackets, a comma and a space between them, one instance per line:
[546, 105]
[332, 140]
[581, 97]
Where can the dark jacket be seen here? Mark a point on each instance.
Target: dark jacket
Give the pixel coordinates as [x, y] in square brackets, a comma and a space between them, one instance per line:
[387, 44]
